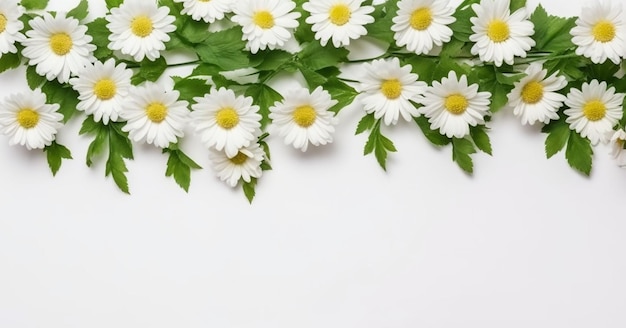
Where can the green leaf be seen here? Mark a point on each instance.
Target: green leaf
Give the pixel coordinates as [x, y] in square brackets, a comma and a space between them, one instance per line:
[194, 31]
[120, 148]
[316, 57]
[9, 61]
[249, 189]
[98, 144]
[517, 4]
[461, 151]
[150, 70]
[55, 154]
[80, 11]
[552, 33]
[340, 91]
[481, 139]
[272, 59]
[313, 79]
[113, 3]
[579, 153]
[100, 34]
[34, 4]
[190, 88]
[366, 123]
[224, 49]
[380, 145]
[381, 27]
[433, 136]
[34, 80]
[462, 27]
[558, 134]
[205, 70]
[179, 166]
[61, 94]
[265, 97]
[603, 72]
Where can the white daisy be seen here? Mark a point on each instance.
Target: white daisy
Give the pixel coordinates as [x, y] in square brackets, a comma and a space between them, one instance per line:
[225, 121]
[207, 10]
[600, 32]
[102, 89]
[246, 164]
[341, 20]
[388, 90]
[29, 121]
[303, 117]
[535, 97]
[266, 24]
[10, 26]
[154, 115]
[500, 35]
[59, 46]
[421, 24]
[594, 111]
[452, 106]
[618, 139]
[139, 28]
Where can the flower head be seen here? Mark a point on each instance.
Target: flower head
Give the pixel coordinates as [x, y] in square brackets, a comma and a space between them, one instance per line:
[600, 32]
[10, 26]
[207, 10]
[452, 106]
[500, 35]
[421, 24]
[618, 141]
[29, 121]
[140, 28]
[339, 20]
[244, 165]
[594, 110]
[58, 45]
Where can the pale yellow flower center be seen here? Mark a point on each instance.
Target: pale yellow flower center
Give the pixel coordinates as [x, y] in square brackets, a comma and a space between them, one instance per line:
[498, 31]
[204, 0]
[339, 14]
[61, 43]
[421, 19]
[532, 92]
[27, 118]
[264, 19]
[156, 112]
[141, 26]
[391, 89]
[239, 159]
[604, 31]
[227, 118]
[456, 104]
[594, 110]
[3, 23]
[105, 89]
[304, 116]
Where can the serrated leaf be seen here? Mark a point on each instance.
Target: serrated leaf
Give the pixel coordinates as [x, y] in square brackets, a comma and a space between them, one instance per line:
[55, 154]
[312, 78]
[379, 145]
[9, 61]
[113, 3]
[265, 97]
[179, 168]
[462, 27]
[33, 79]
[249, 189]
[461, 151]
[579, 153]
[271, 60]
[80, 11]
[558, 134]
[316, 57]
[190, 88]
[340, 91]
[552, 33]
[150, 70]
[120, 148]
[224, 49]
[481, 139]
[194, 32]
[34, 4]
[517, 4]
[61, 94]
[97, 145]
[366, 123]
[433, 136]
[100, 34]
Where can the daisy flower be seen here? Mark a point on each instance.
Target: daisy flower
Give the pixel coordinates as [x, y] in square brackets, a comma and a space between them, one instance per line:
[388, 90]
[139, 28]
[618, 138]
[599, 32]
[102, 89]
[10, 26]
[246, 164]
[207, 10]
[535, 97]
[452, 106]
[266, 24]
[339, 20]
[225, 121]
[303, 118]
[500, 35]
[421, 24]
[59, 46]
[594, 110]
[154, 115]
[28, 121]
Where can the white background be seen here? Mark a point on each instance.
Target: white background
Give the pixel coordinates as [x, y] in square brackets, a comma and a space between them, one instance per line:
[331, 240]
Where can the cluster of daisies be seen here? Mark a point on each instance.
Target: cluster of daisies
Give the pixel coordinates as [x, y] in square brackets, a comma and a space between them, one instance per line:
[229, 125]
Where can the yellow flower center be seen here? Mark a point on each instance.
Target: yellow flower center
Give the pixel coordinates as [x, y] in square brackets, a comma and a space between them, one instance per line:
[456, 104]
[339, 14]
[156, 112]
[604, 31]
[421, 19]
[532, 92]
[498, 31]
[105, 89]
[3, 23]
[204, 0]
[304, 116]
[263, 19]
[594, 110]
[227, 118]
[239, 159]
[27, 118]
[141, 26]
[391, 89]
[61, 43]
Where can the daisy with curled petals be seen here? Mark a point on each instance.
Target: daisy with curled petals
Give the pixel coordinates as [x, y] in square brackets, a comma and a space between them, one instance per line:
[102, 89]
[303, 118]
[207, 10]
[618, 139]
[388, 90]
[59, 46]
[421, 24]
[246, 164]
[500, 35]
[154, 115]
[266, 24]
[594, 110]
[225, 121]
[140, 28]
[339, 20]
[10, 26]
[535, 97]
[600, 32]
[28, 121]
[452, 106]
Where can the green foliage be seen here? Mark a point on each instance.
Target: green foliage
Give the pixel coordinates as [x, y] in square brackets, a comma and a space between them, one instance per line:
[517, 4]
[433, 136]
[249, 188]
[149, 70]
[224, 49]
[461, 151]
[100, 34]
[80, 11]
[316, 57]
[264, 96]
[9, 61]
[34, 4]
[190, 88]
[113, 3]
[558, 134]
[380, 145]
[179, 166]
[462, 27]
[481, 139]
[33, 79]
[343, 93]
[55, 154]
[579, 153]
[61, 94]
[381, 27]
[552, 33]
[194, 32]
